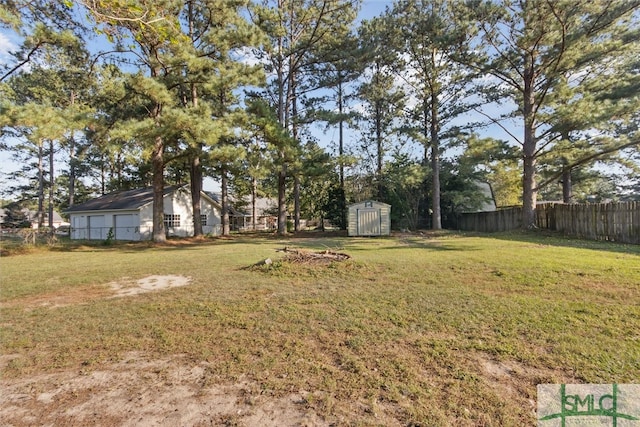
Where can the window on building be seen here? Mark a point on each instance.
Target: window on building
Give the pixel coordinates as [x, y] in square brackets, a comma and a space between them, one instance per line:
[171, 220]
[203, 220]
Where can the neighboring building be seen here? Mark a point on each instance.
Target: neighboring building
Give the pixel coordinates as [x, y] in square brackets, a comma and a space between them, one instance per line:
[241, 216]
[489, 202]
[369, 218]
[265, 217]
[26, 216]
[128, 215]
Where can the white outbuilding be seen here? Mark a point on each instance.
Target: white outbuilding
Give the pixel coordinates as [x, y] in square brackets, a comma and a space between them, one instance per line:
[128, 215]
[369, 218]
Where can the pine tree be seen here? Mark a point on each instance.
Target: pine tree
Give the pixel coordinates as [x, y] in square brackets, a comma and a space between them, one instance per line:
[296, 28]
[529, 46]
[41, 108]
[384, 100]
[427, 36]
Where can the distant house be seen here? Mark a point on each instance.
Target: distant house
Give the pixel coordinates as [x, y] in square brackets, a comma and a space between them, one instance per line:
[241, 216]
[26, 216]
[266, 217]
[128, 215]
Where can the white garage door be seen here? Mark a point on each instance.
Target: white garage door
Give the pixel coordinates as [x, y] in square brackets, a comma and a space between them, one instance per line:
[126, 227]
[96, 228]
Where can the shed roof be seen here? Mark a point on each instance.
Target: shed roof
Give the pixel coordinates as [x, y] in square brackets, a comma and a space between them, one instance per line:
[373, 202]
[121, 200]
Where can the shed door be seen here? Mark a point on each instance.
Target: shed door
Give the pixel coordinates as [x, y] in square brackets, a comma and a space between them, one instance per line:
[126, 227]
[95, 227]
[369, 222]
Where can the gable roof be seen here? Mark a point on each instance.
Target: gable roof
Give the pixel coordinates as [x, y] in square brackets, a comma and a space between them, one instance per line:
[121, 200]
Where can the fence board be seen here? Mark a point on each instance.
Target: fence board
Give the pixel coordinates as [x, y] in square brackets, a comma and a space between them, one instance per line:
[617, 222]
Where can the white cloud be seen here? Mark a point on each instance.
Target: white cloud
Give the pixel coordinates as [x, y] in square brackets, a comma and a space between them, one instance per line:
[6, 46]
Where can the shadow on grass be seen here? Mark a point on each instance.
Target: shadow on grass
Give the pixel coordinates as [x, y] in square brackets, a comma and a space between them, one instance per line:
[192, 243]
[442, 240]
[552, 238]
[425, 244]
[120, 246]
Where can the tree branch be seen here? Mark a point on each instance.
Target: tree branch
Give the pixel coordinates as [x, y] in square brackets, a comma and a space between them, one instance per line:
[494, 121]
[588, 159]
[29, 55]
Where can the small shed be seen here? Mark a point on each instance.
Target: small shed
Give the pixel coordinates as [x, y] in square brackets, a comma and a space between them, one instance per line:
[369, 218]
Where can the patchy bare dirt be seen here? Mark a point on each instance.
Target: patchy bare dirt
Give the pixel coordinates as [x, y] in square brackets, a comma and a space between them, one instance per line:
[139, 391]
[142, 392]
[177, 391]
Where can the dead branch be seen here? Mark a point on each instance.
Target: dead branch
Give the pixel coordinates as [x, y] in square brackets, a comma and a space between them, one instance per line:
[300, 255]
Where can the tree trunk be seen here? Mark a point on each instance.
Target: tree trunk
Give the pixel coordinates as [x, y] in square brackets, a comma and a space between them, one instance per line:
[157, 168]
[343, 197]
[529, 190]
[296, 201]
[73, 162]
[73, 165]
[196, 165]
[225, 202]
[379, 142]
[294, 131]
[103, 175]
[196, 189]
[51, 183]
[254, 208]
[567, 190]
[282, 173]
[436, 223]
[380, 151]
[341, 131]
[41, 184]
[282, 201]
[159, 234]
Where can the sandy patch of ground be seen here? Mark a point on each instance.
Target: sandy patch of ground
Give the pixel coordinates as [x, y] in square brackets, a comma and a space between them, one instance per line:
[126, 287]
[82, 295]
[141, 392]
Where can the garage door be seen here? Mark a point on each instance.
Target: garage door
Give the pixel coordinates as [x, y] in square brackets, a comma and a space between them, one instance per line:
[126, 227]
[95, 227]
[368, 222]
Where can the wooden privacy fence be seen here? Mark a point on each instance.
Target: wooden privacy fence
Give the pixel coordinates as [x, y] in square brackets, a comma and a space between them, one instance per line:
[618, 222]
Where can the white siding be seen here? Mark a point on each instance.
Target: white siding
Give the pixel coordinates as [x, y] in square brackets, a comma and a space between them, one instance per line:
[145, 217]
[138, 224]
[213, 218]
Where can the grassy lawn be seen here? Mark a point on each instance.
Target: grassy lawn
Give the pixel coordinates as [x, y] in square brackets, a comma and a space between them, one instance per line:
[436, 329]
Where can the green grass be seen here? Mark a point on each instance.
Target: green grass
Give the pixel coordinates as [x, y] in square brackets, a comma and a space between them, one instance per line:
[438, 330]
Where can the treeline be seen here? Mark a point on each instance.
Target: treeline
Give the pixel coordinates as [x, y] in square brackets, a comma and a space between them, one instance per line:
[118, 95]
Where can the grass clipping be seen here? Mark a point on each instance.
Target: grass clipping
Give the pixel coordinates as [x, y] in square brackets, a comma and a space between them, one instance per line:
[306, 257]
